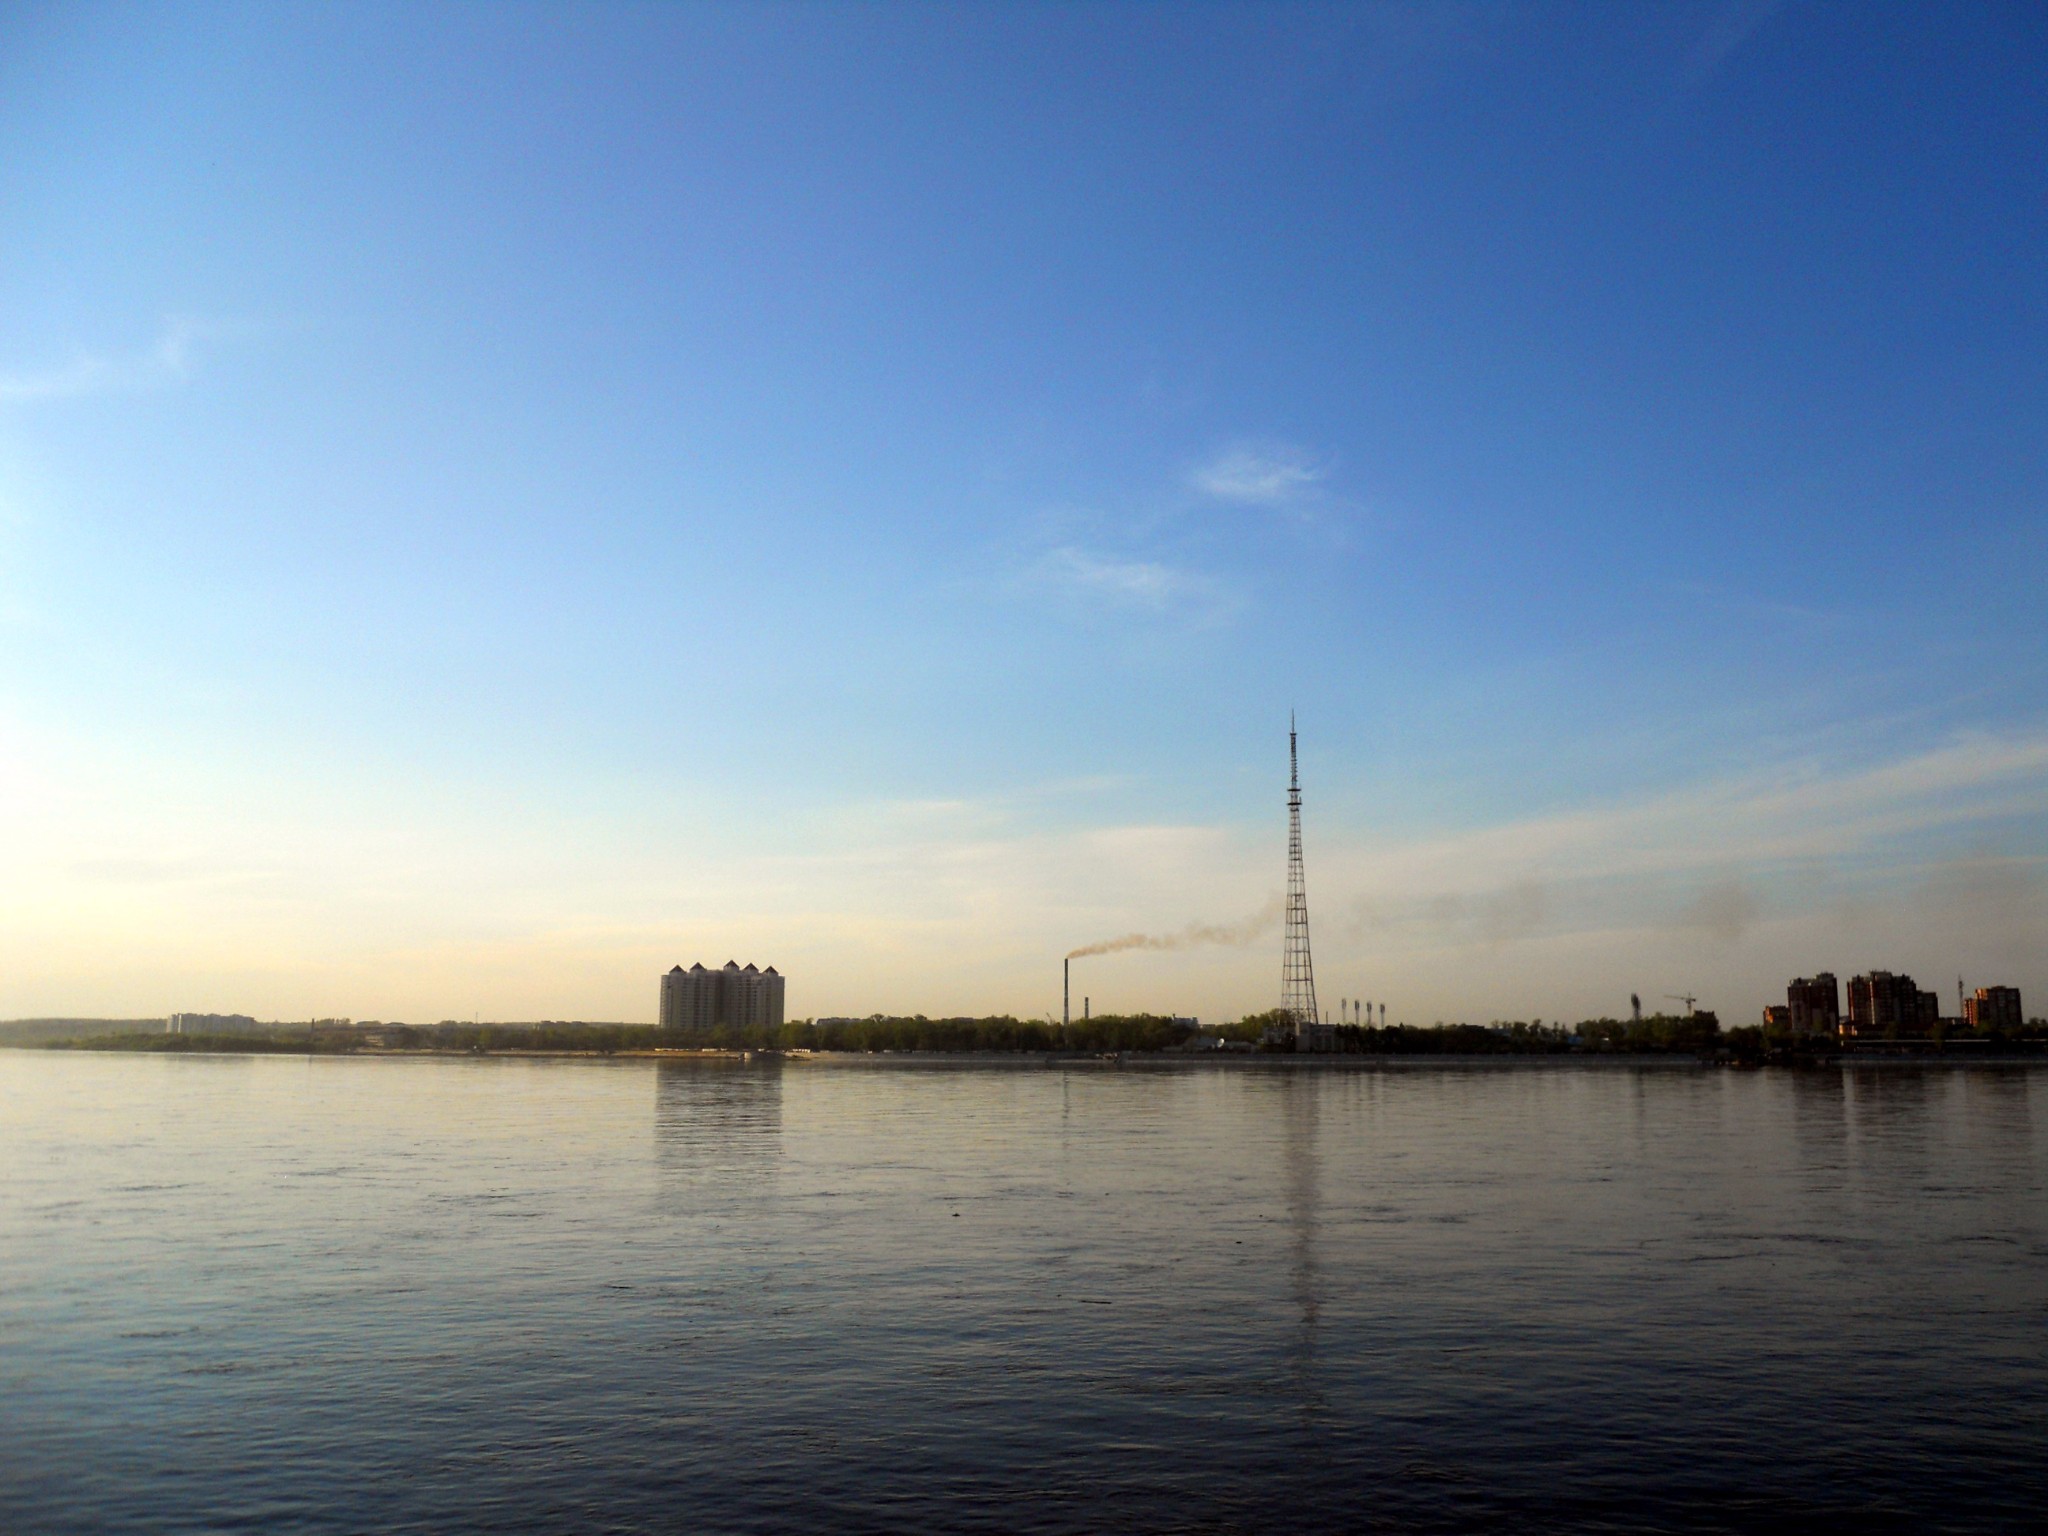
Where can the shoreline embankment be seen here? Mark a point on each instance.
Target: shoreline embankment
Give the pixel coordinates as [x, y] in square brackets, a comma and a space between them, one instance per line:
[1167, 1061]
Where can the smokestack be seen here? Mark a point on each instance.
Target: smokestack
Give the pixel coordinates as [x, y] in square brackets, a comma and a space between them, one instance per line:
[1066, 991]
[1084, 1009]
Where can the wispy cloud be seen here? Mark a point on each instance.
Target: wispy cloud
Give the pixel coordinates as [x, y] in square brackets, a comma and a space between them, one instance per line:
[1717, 860]
[169, 361]
[1144, 585]
[1799, 812]
[1730, 29]
[1272, 475]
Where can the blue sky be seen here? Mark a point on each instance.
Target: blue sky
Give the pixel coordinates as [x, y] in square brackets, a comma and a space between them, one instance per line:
[497, 500]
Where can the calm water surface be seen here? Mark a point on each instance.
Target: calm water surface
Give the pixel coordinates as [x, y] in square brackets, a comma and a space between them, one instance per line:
[282, 1294]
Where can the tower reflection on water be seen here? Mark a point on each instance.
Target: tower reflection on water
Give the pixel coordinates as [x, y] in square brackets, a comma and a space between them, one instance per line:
[1299, 1092]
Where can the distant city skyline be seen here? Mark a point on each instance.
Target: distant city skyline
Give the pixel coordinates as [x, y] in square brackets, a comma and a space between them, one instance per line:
[492, 500]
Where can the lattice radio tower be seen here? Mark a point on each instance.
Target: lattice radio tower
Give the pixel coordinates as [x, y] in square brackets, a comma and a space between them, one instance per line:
[1297, 972]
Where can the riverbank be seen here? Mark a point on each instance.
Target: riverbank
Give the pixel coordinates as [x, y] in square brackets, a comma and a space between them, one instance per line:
[1168, 1061]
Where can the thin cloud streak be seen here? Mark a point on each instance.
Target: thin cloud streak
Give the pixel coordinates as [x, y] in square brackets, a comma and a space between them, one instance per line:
[169, 361]
[1275, 476]
[1732, 27]
[1142, 585]
[1716, 862]
[1801, 813]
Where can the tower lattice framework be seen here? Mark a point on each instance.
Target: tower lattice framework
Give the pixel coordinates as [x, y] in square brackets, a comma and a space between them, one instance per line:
[1297, 971]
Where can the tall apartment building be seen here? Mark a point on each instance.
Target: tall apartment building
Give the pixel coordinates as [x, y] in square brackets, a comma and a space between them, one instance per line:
[1814, 1004]
[737, 996]
[1994, 1008]
[689, 999]
[1882, 1004]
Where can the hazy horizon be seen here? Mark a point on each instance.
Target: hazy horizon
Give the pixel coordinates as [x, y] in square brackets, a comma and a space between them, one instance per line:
[497, 502]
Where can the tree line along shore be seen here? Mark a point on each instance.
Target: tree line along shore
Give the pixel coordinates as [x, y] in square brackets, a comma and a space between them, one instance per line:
[1698, 1035]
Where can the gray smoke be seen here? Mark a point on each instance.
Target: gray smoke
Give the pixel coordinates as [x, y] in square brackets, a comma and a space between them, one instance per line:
[1261, 922]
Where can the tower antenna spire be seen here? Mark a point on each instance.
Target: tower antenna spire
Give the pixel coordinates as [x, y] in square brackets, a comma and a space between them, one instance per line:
[1297, 971]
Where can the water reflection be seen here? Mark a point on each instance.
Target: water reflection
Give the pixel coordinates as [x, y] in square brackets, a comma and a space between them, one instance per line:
[1299, 1095]
[1891, 1110]
[718, 1119]
[1820, 1121]
[1998, 1109]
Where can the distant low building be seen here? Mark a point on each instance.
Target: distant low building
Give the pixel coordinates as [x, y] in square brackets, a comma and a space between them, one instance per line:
[1994, 1008]
[210, 1024]
[1313, 1036]
[1777, 1017]
[735, 996]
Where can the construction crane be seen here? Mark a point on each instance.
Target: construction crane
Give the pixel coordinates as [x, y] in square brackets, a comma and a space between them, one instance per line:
[1687, 998]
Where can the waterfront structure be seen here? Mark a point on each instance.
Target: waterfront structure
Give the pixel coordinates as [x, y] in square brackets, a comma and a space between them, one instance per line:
[1814, 1004]
[1777, 1017]
[210, 1024]
[1297, 970]
[735, 996]
[1886, 1005]
[1994, 1008]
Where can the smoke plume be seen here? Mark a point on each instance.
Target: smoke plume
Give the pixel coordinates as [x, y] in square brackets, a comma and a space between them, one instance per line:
[1261, 922]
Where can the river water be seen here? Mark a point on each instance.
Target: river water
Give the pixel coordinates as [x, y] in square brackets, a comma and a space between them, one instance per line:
[344, 1295]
